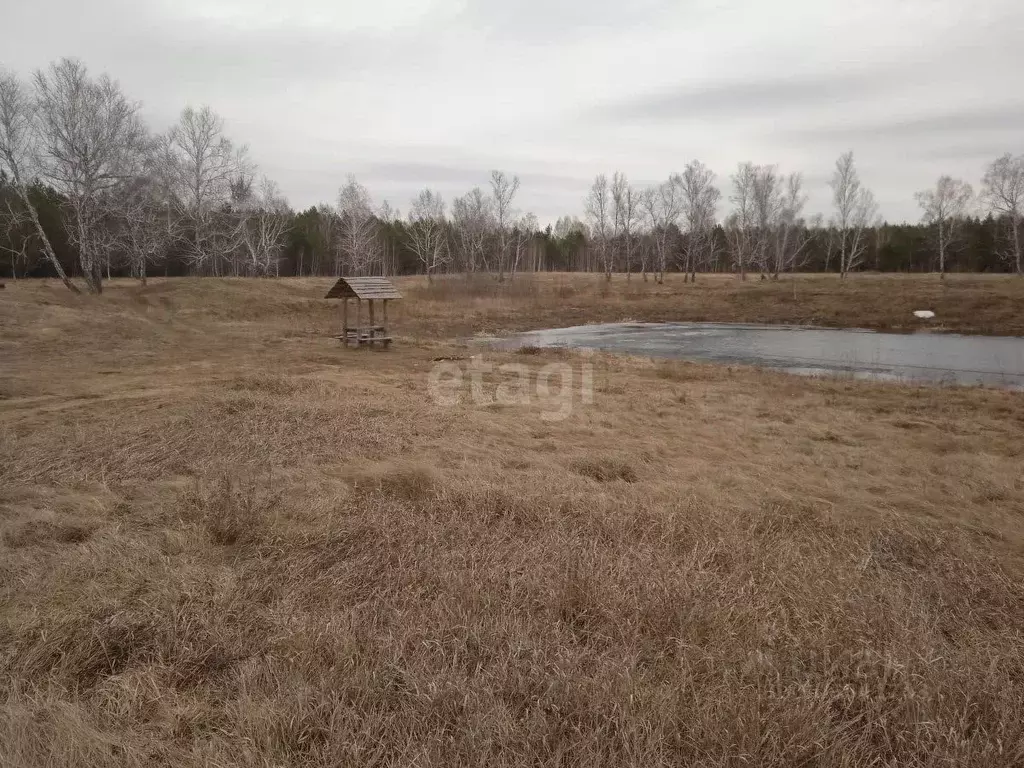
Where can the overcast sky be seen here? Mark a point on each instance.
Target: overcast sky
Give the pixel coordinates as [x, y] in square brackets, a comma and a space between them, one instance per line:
[414, 93]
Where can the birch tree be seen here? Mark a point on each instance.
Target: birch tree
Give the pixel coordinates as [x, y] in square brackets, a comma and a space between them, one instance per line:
[359, 240]
[264, 222]
[770, 204]
[523, 234]
[645, 248]
[663, 206]
[855, 210]
[740, 225]
[146, 228]
[14, 236]
[473, 220]
[829, 239]
[598, 206]
[767, 205]
[1003, 193]
[204, 164]
[792, 235]
[503, 191]
[145, 217]
[17, 158]
[91, 142]
[389, 219]
[625, 217]
[944, 208]
[427, 231]
[699, 198]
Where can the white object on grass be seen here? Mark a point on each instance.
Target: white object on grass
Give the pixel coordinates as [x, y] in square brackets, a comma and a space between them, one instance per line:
[924, 314]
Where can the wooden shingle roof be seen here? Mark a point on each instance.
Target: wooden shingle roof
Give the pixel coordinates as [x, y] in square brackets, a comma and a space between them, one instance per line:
[363, 288]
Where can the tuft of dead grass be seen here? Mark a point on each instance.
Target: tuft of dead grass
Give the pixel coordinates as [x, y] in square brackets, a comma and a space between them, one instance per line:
[231, 512]
[43, 532]
[403, 481]
[605, 469]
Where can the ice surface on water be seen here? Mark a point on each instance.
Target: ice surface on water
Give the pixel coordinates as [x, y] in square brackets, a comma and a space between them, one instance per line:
[938, 358]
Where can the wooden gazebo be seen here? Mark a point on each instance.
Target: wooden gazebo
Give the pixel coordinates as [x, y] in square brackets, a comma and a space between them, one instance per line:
[368, 289]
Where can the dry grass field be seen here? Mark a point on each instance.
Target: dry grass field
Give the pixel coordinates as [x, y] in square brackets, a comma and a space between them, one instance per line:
[992, 305]
[227, 541]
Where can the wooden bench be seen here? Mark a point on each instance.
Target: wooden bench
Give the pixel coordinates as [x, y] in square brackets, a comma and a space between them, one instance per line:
[365, 335]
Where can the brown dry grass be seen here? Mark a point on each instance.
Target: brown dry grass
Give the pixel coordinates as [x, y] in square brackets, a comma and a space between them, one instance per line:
[987, 304]
[226, 541]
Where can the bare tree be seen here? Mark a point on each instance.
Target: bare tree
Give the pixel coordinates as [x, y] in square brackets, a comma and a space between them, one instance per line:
[663, 206]
[766, 230]
[144, 219]
[598, 206]
[264, 222]
[791, 234]
[359, 228]
[645, 246]
[145, 228]
[740, 225]
[204, 165]
[388, 217]
[829, 239]
[503, 191]
[699, 197]
[625, 217]
[147, 233]
[1003, 193]
[644, 240]
[767, 210]
[428, 231]
[91, 142]
[523, 234]
[473, 220]
[855, 209]
[944, 207]
[18, 155]
[14, 240]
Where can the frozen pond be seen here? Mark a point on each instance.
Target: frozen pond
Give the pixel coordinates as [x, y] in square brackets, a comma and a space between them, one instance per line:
[919, 357]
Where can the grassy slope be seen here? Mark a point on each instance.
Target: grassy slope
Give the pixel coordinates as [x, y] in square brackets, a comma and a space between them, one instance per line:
[962, 303]
[227, 541]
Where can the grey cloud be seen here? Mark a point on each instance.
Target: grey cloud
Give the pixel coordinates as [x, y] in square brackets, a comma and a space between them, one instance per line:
[762, 98]
[424, 174]
[984, 122]
[975, 151]
[165, 49]
[543, 21]
[465, 173]
[284, 55]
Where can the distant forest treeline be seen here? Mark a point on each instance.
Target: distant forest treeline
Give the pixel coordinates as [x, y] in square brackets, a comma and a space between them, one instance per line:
[87, 190]
[309, 246]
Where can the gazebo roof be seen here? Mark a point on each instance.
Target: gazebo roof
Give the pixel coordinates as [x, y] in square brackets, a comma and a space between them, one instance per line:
[363, 288]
